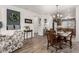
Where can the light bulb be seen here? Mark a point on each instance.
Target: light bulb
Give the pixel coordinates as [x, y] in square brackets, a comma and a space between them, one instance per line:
[60, 15]
[53, 16]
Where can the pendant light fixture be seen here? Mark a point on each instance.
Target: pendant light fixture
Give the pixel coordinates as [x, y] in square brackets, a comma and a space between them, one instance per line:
[58, 14]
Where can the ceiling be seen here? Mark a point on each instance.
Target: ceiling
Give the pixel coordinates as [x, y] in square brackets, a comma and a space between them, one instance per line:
[50, 9]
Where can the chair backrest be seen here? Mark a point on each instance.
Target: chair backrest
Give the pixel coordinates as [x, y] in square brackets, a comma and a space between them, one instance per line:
[51, 37]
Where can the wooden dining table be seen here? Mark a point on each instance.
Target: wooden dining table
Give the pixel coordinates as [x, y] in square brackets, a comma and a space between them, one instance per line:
[63, 36]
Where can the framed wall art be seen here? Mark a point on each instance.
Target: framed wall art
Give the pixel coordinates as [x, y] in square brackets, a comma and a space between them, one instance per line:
[13, 20]
[28, 20]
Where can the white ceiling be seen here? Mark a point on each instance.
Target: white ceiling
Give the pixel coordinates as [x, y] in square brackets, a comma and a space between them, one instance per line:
[49, 9]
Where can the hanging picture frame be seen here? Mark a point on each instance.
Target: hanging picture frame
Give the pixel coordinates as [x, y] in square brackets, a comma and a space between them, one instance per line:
[13, 20]
[28, 21]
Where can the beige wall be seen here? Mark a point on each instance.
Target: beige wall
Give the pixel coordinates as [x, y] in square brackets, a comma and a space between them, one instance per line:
[77, 23]
[23, 13]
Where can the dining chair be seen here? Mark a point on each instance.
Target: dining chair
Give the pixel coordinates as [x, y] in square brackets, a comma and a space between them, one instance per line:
[52, 40]
[68, 40]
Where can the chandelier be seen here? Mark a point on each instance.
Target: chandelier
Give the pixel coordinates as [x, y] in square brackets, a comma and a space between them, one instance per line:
[57, 15]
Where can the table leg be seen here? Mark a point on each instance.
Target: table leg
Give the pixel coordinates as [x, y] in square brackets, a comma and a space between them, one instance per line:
[27, 35]
[70, 44]
[31, 34]
[24, 35]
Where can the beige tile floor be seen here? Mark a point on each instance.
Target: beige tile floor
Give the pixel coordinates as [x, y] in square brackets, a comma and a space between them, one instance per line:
[39, 45]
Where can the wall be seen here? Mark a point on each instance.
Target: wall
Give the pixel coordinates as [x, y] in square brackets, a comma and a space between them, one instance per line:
[69, 12]
[23, 14]
[36, 24]
[48, 25]
[28, 14]
[39, 28]
[77, 23]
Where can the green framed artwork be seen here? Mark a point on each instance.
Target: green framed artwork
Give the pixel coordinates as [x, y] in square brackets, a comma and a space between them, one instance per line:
[13, 20]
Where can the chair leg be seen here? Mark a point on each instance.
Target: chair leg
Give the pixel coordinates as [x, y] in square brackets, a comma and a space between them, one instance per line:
[70, 44]
[47, 45]
[56, 50]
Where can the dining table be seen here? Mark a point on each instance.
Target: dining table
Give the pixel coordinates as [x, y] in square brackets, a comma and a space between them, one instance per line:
[63, 37]
[64, 34]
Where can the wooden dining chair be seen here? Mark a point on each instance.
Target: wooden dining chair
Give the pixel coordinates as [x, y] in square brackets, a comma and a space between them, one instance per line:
[52, 40]
[68, 40]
